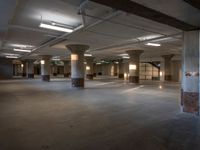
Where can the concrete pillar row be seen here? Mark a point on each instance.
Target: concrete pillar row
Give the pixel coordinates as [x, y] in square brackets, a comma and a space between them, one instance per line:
[45, 68]
[134, 65]
[77, 64]
[167, 67]
[66, 68]
[89, 68]
[121, 69]
[30, 69]
[190, 72]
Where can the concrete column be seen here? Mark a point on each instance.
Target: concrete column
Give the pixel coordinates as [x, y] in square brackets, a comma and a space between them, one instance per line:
[121, 69]
[89, 68]
[167, 67]
[94, 69]
[190, 72]
[24, 68]
[30, 69]
[45, 68]
[77, 64]
[115, 69]
[66, 69]
[55, 70]
[134, 65]
[162, 71]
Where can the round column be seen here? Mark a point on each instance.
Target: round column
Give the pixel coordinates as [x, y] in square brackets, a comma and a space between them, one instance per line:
[121, 69]
[89, 68]
[167, 67]
[45, 68]
[30, 68]
[54, 70]
[24, 68]
[77, 64]
[134, 65]
[66, 68]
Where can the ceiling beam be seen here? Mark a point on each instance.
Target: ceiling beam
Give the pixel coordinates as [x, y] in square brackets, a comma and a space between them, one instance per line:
[194, 3]
[148, 13]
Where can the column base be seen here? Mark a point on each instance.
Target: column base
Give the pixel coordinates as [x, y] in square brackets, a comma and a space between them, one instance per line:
[134, 79]
[23, 74]
[89, 76]
[66, 75]
[54, 74]
[121, 76]
[168, 78]
[190, 102]
[77, 82]
[30, 76]
[46, 78]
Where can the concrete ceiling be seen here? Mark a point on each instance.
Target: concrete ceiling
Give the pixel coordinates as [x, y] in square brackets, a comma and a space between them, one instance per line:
[107, 31]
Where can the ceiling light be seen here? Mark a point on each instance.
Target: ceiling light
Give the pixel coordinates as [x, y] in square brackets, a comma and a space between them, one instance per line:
[21, 45]
[11, 56]
[98, 63]
[126, 57]
[88, 55]
[153, 44]
[57, 28]
[22, 50]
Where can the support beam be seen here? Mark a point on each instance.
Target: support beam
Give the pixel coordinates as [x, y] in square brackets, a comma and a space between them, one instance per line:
[148, 13]
[194, 3]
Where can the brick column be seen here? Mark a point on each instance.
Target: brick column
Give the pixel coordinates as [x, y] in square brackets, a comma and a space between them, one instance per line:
[190, 72]
[45, 68]
[89, 68]
[134, 65]
[77, 64]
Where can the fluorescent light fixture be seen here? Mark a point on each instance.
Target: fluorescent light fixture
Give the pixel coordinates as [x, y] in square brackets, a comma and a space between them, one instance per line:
[116, 62]
[22, 45]
[57, 28]
[22, 50]
[126, 57]
[11, 56]
[42, 62]
[22, 65]
[132, 67]
[153, 44]
[88, 55]
[85, 63]
[98, 63]
[56, 59]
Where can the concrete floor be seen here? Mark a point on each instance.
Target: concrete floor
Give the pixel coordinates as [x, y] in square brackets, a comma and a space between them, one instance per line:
[107, 115]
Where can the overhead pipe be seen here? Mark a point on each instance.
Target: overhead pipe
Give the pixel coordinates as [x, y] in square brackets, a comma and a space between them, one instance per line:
[138, 42]
[79, 28]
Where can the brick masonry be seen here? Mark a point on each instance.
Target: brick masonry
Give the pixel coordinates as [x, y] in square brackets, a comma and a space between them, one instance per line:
[190, 102]
[77, 82]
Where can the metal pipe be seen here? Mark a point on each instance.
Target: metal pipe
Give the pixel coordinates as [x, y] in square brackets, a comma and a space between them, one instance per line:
[79, 28]
[138, 42]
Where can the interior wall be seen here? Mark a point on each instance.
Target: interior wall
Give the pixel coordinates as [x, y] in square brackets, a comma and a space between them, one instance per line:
[6, 68]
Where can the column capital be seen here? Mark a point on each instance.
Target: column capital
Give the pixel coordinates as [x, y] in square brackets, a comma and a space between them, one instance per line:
[77, 48]
[45, 56]
[168, 56]
[89, 59]
[134, 52]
